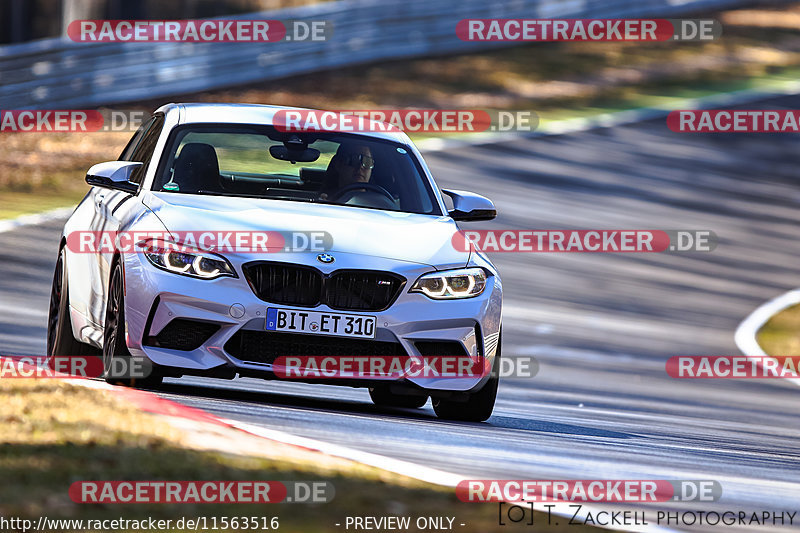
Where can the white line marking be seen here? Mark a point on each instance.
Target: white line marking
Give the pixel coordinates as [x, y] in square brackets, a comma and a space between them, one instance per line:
[37, 218]
[413, 470]
[607, 120]
[423, 473]
[745, 336]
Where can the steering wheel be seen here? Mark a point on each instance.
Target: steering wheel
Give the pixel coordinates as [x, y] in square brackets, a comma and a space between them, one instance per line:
[366, 186]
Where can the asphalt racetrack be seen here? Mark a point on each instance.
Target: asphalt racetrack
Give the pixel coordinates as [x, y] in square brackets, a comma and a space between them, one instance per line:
[600, 325]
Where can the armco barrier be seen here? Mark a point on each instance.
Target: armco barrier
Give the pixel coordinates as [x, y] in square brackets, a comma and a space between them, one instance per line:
[59, 73]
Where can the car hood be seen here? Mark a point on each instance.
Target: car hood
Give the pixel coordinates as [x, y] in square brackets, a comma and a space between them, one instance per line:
[422, 239]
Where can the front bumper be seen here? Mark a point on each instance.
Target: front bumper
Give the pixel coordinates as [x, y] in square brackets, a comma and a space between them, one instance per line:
[154, 298]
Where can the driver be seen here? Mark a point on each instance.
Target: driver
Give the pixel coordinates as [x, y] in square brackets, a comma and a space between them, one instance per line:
[351, 164]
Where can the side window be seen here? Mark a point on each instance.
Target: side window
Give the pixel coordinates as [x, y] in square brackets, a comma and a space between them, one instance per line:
[145, 148]
[134, 142]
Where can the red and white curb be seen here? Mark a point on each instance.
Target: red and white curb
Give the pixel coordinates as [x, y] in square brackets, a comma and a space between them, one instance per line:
[152, 403]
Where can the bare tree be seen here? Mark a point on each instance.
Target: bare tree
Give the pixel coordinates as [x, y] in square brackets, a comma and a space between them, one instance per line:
[79, 10]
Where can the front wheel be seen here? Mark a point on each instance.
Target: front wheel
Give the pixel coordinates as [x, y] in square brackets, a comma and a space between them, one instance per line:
[479, 405]
[119, 367]
[60, 340]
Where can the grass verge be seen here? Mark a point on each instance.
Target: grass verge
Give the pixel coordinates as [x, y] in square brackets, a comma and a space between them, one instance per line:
[781, 334]
[15, 203]
[54, 433]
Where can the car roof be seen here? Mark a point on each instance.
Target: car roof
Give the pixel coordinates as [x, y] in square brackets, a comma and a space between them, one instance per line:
[193, 113]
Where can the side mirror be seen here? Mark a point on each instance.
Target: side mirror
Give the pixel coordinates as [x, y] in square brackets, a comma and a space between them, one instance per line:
[468, 206]
[114, 175]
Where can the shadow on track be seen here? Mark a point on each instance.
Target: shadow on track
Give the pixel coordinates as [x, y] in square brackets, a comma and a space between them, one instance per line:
[261, 398]
[351, 407]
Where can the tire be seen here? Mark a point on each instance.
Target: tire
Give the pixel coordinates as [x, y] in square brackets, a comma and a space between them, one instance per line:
[384, 398]
[114, 346]
[60, 340]
[479, 405]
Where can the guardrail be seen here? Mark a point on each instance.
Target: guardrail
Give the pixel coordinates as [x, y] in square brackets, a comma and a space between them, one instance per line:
[59, 73]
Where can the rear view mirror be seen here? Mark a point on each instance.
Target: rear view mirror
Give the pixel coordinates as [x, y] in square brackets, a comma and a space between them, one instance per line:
[468, 206]
[294, 155]
[114, 175]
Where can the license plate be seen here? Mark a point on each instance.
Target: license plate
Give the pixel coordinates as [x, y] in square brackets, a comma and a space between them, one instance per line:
[296, 321]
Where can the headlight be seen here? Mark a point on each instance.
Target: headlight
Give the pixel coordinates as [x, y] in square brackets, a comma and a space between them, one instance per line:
[186, 260]
[451, 284]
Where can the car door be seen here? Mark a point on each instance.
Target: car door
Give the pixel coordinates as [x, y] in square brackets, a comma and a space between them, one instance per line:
[86, 285]
[114, 209]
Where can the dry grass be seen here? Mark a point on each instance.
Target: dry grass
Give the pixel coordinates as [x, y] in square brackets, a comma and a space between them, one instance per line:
[781, 334]
[40, 171]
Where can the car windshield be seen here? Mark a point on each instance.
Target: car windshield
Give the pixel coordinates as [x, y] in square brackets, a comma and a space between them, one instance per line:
[319, 167]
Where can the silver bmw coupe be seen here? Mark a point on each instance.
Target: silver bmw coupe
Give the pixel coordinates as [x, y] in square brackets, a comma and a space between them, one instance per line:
[221, 245]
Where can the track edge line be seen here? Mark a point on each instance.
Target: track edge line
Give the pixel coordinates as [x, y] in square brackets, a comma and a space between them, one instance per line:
[746, 333]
